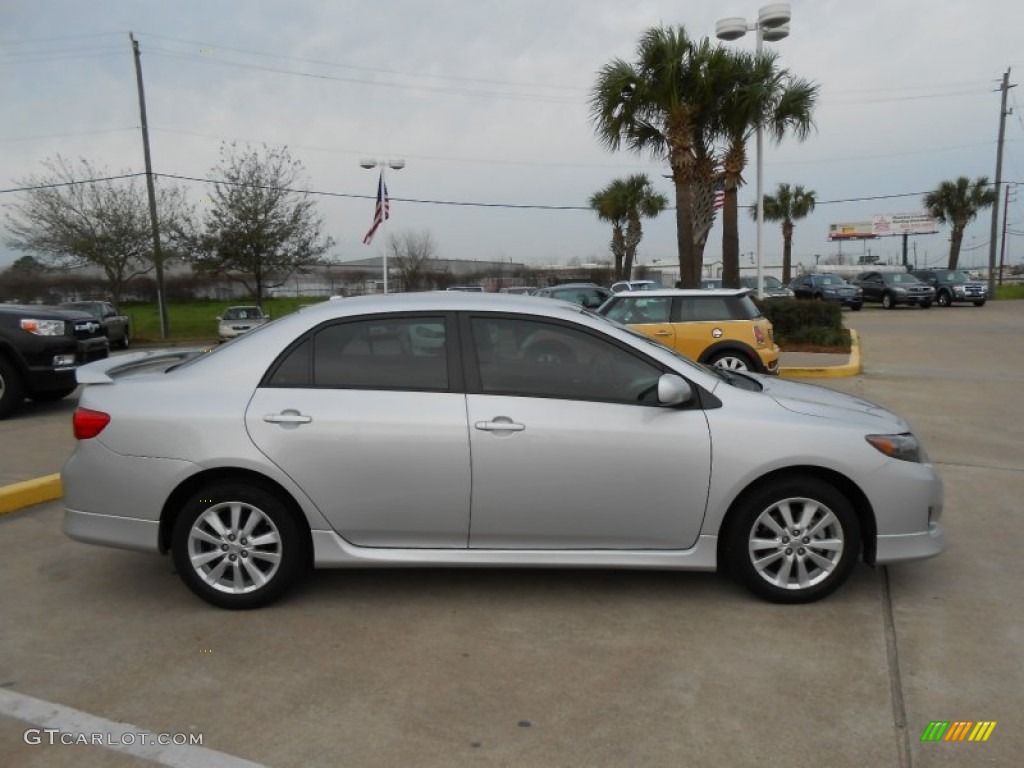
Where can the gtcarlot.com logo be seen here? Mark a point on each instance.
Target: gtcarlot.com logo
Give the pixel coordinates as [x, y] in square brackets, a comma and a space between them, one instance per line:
[958, 730]
[53, 736]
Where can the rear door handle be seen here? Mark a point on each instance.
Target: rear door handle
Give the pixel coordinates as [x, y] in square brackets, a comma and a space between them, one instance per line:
[501, 424]
[287, 417]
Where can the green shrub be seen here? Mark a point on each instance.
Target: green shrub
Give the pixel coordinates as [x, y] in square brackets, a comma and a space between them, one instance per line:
[1010, 291]
[806, 323]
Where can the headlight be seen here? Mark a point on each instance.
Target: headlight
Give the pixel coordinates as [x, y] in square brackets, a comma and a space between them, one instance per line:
[43, 327]
[905, 446]
[829, 291]
[899, 290]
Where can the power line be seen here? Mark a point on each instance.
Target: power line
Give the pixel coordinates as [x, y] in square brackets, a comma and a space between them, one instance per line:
[67, 135]
[376, 70]
[70, 183]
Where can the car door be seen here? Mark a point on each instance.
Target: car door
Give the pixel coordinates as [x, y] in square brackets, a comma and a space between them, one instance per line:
[570, 449]
[872, 285]
[368, 416]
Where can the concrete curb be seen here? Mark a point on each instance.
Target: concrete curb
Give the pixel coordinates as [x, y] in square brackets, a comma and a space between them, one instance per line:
[851, 367]
[19, 495]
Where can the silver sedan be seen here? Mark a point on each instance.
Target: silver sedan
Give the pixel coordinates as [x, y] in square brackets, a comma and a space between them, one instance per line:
[452, 429]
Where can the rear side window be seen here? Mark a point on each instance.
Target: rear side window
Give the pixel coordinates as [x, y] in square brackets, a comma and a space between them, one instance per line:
[718, 308]
[383, 353]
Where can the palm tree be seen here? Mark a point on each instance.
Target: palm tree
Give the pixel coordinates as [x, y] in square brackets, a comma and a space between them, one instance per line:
[658, 105]
[761, 95]
[624, 203]
[787, 205]
[957, 203]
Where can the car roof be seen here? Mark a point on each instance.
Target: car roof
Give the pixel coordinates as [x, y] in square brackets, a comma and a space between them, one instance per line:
[698, 292]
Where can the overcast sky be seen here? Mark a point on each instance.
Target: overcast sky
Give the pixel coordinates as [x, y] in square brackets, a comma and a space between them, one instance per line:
[486, 101]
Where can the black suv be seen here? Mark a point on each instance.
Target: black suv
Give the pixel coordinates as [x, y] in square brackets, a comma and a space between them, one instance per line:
[40, 347]
[893, 288]
[953, 285]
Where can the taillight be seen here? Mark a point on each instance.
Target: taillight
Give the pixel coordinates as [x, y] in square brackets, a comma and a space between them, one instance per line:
[758, 334]
[88, 423]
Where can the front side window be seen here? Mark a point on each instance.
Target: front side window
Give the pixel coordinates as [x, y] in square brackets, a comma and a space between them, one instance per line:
[540, 359]
[641, 310]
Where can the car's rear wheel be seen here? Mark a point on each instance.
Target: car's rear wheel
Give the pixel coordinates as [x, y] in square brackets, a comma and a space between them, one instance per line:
[237, 545]
[887, 301]
[11, 392]
[793, 540]
[731, 360]
[944, 299]
[126, 340]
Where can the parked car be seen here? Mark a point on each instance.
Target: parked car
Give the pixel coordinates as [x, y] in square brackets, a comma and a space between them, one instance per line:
[953, 285]
[118, 327]
[636, 285]
[773, 287]
[710, 282]
[304, 442]
[827, 287]
[720, 327]
[466, 288]
[520, 289]
[894, 288]
[237, 320]
[589, 295]
[40, 348]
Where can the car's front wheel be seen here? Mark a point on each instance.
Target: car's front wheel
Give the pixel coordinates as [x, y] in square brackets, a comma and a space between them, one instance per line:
[11, 392]
[793, 540]
[887, 301]
[944, 299]
[237, 545]
[980, 303]
[126, 340]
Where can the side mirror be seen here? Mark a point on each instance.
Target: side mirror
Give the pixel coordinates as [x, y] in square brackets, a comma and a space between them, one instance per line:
[218, 318]
[674, 390]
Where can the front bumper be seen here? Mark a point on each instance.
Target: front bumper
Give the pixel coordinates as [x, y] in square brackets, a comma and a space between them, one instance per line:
[911, 546]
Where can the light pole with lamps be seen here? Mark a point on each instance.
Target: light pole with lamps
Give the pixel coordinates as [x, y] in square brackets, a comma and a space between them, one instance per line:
[381, 212]
[772, 24]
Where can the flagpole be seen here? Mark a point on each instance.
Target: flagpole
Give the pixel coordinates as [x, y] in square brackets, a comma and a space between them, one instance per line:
[381, 211]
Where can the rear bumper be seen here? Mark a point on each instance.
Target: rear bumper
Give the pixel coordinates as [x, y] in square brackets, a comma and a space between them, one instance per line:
[110, 531]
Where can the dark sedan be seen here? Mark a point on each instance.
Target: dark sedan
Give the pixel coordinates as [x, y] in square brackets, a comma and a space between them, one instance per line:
[588, 295]
[894, 288]
[827, 287]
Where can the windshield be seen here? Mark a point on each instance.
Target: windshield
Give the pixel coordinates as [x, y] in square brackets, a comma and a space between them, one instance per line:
[954, 276]
[829, 280]
[243, 313]
[899, 277]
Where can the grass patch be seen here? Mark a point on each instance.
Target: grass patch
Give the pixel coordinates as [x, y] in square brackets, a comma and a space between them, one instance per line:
[197, 320]
[1008, 291]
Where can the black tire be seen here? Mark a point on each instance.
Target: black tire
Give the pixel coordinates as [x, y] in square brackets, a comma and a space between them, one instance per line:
[856, 307]
[944, 299]
[732, 360]
[887, 301]
[51, 396]
[277, 560]
[126, 340]
[980, 303]
[12, 392]
[925, 304]
[829, 516]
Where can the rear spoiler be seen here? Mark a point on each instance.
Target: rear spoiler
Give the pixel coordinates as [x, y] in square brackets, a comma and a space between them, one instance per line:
[151, 361]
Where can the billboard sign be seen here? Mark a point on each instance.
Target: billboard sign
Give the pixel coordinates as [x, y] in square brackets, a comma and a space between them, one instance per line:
[916, 223]
[854, 230]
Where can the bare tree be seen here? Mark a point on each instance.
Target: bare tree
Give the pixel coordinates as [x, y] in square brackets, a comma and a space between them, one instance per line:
[69, 220]
[260, 229]
[412, 253]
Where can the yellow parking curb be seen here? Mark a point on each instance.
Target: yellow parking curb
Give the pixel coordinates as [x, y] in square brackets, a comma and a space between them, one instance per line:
[851, 367]
[25, 494]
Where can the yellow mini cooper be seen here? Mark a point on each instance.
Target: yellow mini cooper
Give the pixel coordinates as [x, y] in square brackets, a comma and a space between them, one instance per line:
[720, 327]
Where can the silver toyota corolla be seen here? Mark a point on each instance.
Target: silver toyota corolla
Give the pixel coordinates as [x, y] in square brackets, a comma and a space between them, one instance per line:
[459, 429]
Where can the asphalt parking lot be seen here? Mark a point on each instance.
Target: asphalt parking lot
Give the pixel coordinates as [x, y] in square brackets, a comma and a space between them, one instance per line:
[553, 668]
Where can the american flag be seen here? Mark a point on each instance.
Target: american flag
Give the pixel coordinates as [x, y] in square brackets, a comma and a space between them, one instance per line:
[719, 199]
[381, 212]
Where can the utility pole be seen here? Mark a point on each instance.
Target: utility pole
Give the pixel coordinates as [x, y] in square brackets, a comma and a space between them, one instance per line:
[158, 260]
[1002, 249]
[1005, 88]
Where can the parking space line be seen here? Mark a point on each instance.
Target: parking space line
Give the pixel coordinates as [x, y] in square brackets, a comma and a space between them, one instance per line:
[123, 737]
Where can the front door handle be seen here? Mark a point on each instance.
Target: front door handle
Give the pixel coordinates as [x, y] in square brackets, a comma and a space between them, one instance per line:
[500, 424]
[663, 333]
[287, 417]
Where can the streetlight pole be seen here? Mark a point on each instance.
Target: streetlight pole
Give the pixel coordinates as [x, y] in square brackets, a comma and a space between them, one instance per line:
[396, 165]
[772, 25]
